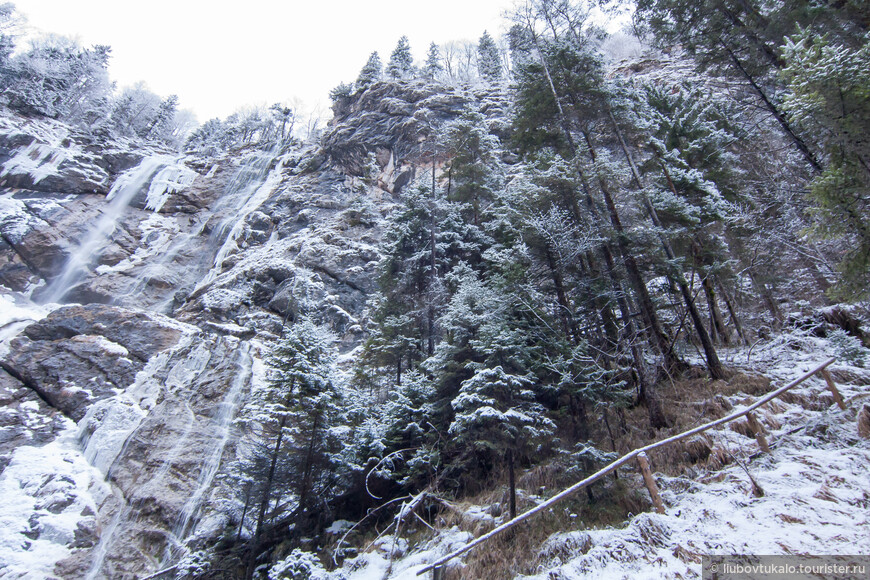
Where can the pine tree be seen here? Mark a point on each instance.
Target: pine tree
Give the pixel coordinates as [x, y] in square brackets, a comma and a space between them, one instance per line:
[474, 166]
[370, 73]
[693, 170]
[433, 66]
[161, 125]
[401, 65]
[294, 415]
[488, 59]
[496, 417]
[831, 97]
[8, 24]
[738, 38]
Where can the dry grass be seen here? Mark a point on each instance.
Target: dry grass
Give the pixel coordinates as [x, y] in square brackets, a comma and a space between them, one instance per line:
[689, 401]
[522, 549]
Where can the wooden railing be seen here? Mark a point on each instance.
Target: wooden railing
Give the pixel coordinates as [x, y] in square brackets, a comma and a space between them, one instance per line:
[640, 455]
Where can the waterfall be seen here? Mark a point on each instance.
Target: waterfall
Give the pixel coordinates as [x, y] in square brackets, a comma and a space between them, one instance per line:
[122, 193]
[223, 421]
[242, 195]
[109, 426]
[102, 548]
[257, 192]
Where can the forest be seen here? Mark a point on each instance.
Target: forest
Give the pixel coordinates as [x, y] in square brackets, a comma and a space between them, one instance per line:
[602, 223]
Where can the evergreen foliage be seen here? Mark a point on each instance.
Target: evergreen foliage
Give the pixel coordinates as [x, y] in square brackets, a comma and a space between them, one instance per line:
[488, 59]
[401, 65]
[433, 67]
[370, 73]
[542, 270]
[830, 84]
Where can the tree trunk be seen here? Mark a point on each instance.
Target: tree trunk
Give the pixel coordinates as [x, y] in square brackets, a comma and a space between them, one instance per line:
[647, 308]
[244, 513]
[717, 323]
[777, 114]
[648, 391]
[512, 484]
[308, 466]
[433, 264]
[264, 503]
[732, 313]
[399, 369]
[602, 306]
[565, 313]
[713, 363]
[765, 293]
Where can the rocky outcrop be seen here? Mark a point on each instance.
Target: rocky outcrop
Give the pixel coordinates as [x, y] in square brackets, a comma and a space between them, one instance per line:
[390, 119]
[162, 444]
[139, 333]
[174, 304]
[25, 419]
[78, 355]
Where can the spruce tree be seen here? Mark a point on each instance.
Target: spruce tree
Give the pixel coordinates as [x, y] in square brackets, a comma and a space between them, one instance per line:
[433, 66]
[401, 65]
[488, 59]
[830, 82]
[294, 415]
[737, 38]
[370, 73]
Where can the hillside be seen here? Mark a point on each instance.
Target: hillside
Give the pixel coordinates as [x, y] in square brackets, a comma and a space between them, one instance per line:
[242, 353]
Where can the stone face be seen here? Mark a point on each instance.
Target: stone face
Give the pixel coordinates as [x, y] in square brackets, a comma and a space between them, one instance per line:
[255, 241]
[388, 116]
[72, 373]
[78, 355]
[25, 419]
[161, 469]
[141, 334]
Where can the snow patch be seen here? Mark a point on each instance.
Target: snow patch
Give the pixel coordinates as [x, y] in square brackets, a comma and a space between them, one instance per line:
[47, 492]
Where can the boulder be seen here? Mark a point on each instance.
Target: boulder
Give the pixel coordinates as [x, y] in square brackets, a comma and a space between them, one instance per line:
[141, 334]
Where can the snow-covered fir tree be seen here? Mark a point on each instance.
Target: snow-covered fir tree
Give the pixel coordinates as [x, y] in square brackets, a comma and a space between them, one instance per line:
[488, 59]
[401, 63]
[370, 73]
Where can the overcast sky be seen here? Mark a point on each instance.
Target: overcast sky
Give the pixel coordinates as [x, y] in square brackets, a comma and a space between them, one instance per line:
[218, 55]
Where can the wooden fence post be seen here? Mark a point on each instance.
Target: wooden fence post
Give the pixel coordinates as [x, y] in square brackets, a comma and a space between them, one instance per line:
[833, 388]
[650, 483]
[758, 430]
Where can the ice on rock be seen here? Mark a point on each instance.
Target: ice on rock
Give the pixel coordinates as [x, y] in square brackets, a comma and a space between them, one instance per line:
[15, 219]
[105, 428]
[125, 188]
[38, 160]
[171, 179]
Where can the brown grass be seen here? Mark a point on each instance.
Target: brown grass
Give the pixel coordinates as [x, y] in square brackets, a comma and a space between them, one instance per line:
[688, 402]
[523, 549]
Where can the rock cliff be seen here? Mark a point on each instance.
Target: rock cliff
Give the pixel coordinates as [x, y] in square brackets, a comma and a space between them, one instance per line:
[141, 289]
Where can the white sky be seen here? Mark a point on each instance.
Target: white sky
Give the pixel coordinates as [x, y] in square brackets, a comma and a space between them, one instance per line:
[218, 56]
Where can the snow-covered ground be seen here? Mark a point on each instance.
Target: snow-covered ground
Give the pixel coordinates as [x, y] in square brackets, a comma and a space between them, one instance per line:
[50, 495]
[816, 485]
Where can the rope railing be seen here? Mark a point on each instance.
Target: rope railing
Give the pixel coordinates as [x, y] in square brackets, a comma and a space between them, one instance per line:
[633, 455]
